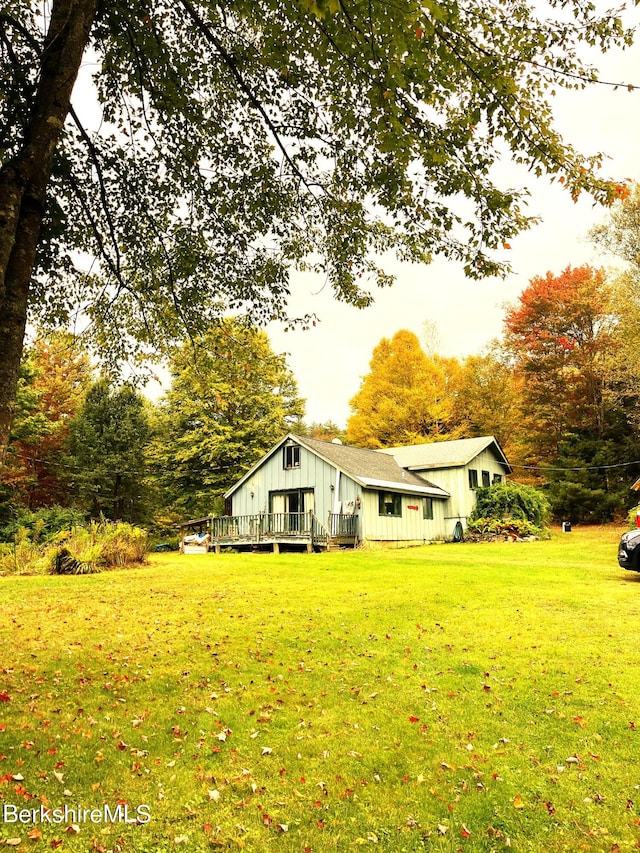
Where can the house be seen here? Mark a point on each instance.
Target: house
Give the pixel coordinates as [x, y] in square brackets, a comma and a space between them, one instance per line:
[458, 466]
[315, 494]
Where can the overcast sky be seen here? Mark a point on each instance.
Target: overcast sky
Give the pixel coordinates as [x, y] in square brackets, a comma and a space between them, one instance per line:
[330, 360]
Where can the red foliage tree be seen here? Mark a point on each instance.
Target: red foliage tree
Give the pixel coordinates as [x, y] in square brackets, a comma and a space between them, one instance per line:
[560, 338]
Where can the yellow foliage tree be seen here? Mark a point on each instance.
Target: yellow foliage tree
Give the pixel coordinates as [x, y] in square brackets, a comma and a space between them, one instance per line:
[489, 401]
[406, 398]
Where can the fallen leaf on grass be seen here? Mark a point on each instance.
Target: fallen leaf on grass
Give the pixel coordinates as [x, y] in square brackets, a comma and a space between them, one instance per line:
[214, 795]
[518, 802]
[13, 842]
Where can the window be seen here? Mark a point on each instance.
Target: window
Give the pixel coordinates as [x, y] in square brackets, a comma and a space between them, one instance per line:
[486, 479]
[291, 457]
[473, 478]
[427, 508]
[497, 478]
[389, 504]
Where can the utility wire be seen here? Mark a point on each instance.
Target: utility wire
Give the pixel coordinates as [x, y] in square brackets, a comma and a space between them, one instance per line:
[575, 468]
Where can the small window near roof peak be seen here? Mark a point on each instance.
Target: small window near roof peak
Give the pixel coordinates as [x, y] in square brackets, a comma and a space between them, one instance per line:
[291, 456]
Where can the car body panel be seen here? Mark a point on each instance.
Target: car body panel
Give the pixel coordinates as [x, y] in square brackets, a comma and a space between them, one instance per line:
[629, 550]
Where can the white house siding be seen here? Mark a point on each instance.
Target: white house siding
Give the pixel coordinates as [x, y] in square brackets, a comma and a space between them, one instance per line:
[410, 527]
[456, 482]
[313, 473]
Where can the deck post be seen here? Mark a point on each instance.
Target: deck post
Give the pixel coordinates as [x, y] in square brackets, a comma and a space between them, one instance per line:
[276, 548]
[216, 548]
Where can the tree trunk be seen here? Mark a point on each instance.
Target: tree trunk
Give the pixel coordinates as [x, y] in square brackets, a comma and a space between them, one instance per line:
[23, 186]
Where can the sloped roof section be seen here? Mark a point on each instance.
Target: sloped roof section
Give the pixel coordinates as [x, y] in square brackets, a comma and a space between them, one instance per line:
[444, 454]
[370, 468]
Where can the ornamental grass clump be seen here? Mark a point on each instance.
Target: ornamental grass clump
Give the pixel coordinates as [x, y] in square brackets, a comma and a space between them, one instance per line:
[79, 551]
[103, 545]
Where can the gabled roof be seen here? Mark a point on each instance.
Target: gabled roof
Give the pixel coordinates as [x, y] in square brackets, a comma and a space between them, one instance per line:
[445, 454]
[368, 468]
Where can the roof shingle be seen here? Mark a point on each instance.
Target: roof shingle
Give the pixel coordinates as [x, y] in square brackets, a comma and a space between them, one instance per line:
[369, 467]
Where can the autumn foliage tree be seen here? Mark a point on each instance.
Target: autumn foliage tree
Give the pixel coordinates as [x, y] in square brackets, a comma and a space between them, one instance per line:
[56, 376]
[489, 400]
[406, 398]
[560, 336]
[63, 374]
[563, 339]
[620, 236]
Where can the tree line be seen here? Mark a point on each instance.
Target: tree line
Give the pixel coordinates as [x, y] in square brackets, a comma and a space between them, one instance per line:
[560, 390]
[79, 440]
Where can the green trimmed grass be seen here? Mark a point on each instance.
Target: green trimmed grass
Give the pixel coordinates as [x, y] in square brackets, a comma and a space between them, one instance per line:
[451, 697]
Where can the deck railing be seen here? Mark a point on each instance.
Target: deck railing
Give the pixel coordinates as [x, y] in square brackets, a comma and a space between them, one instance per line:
[342, 525]
[269, 525]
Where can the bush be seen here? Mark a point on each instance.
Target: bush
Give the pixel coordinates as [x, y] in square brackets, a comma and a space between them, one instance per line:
[633, 512]
[518, 527]
[21, 557]
[63, 562]
[512, 502]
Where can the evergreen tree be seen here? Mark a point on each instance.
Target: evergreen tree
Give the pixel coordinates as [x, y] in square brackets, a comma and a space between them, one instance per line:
[108, 439]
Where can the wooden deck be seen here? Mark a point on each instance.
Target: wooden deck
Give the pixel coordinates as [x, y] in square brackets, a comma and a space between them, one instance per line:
[268, 530]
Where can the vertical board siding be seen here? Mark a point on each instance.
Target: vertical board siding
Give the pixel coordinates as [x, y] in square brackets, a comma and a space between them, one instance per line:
[456, 482]
[411, 526]
[313, 473]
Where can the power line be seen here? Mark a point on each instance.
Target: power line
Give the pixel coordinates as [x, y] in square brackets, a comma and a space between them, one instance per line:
[576, 467]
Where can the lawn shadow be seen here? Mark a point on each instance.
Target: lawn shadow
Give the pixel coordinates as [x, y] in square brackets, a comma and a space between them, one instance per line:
[631, 577]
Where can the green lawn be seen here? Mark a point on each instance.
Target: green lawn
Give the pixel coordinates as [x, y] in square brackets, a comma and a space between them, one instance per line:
[452, 697]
